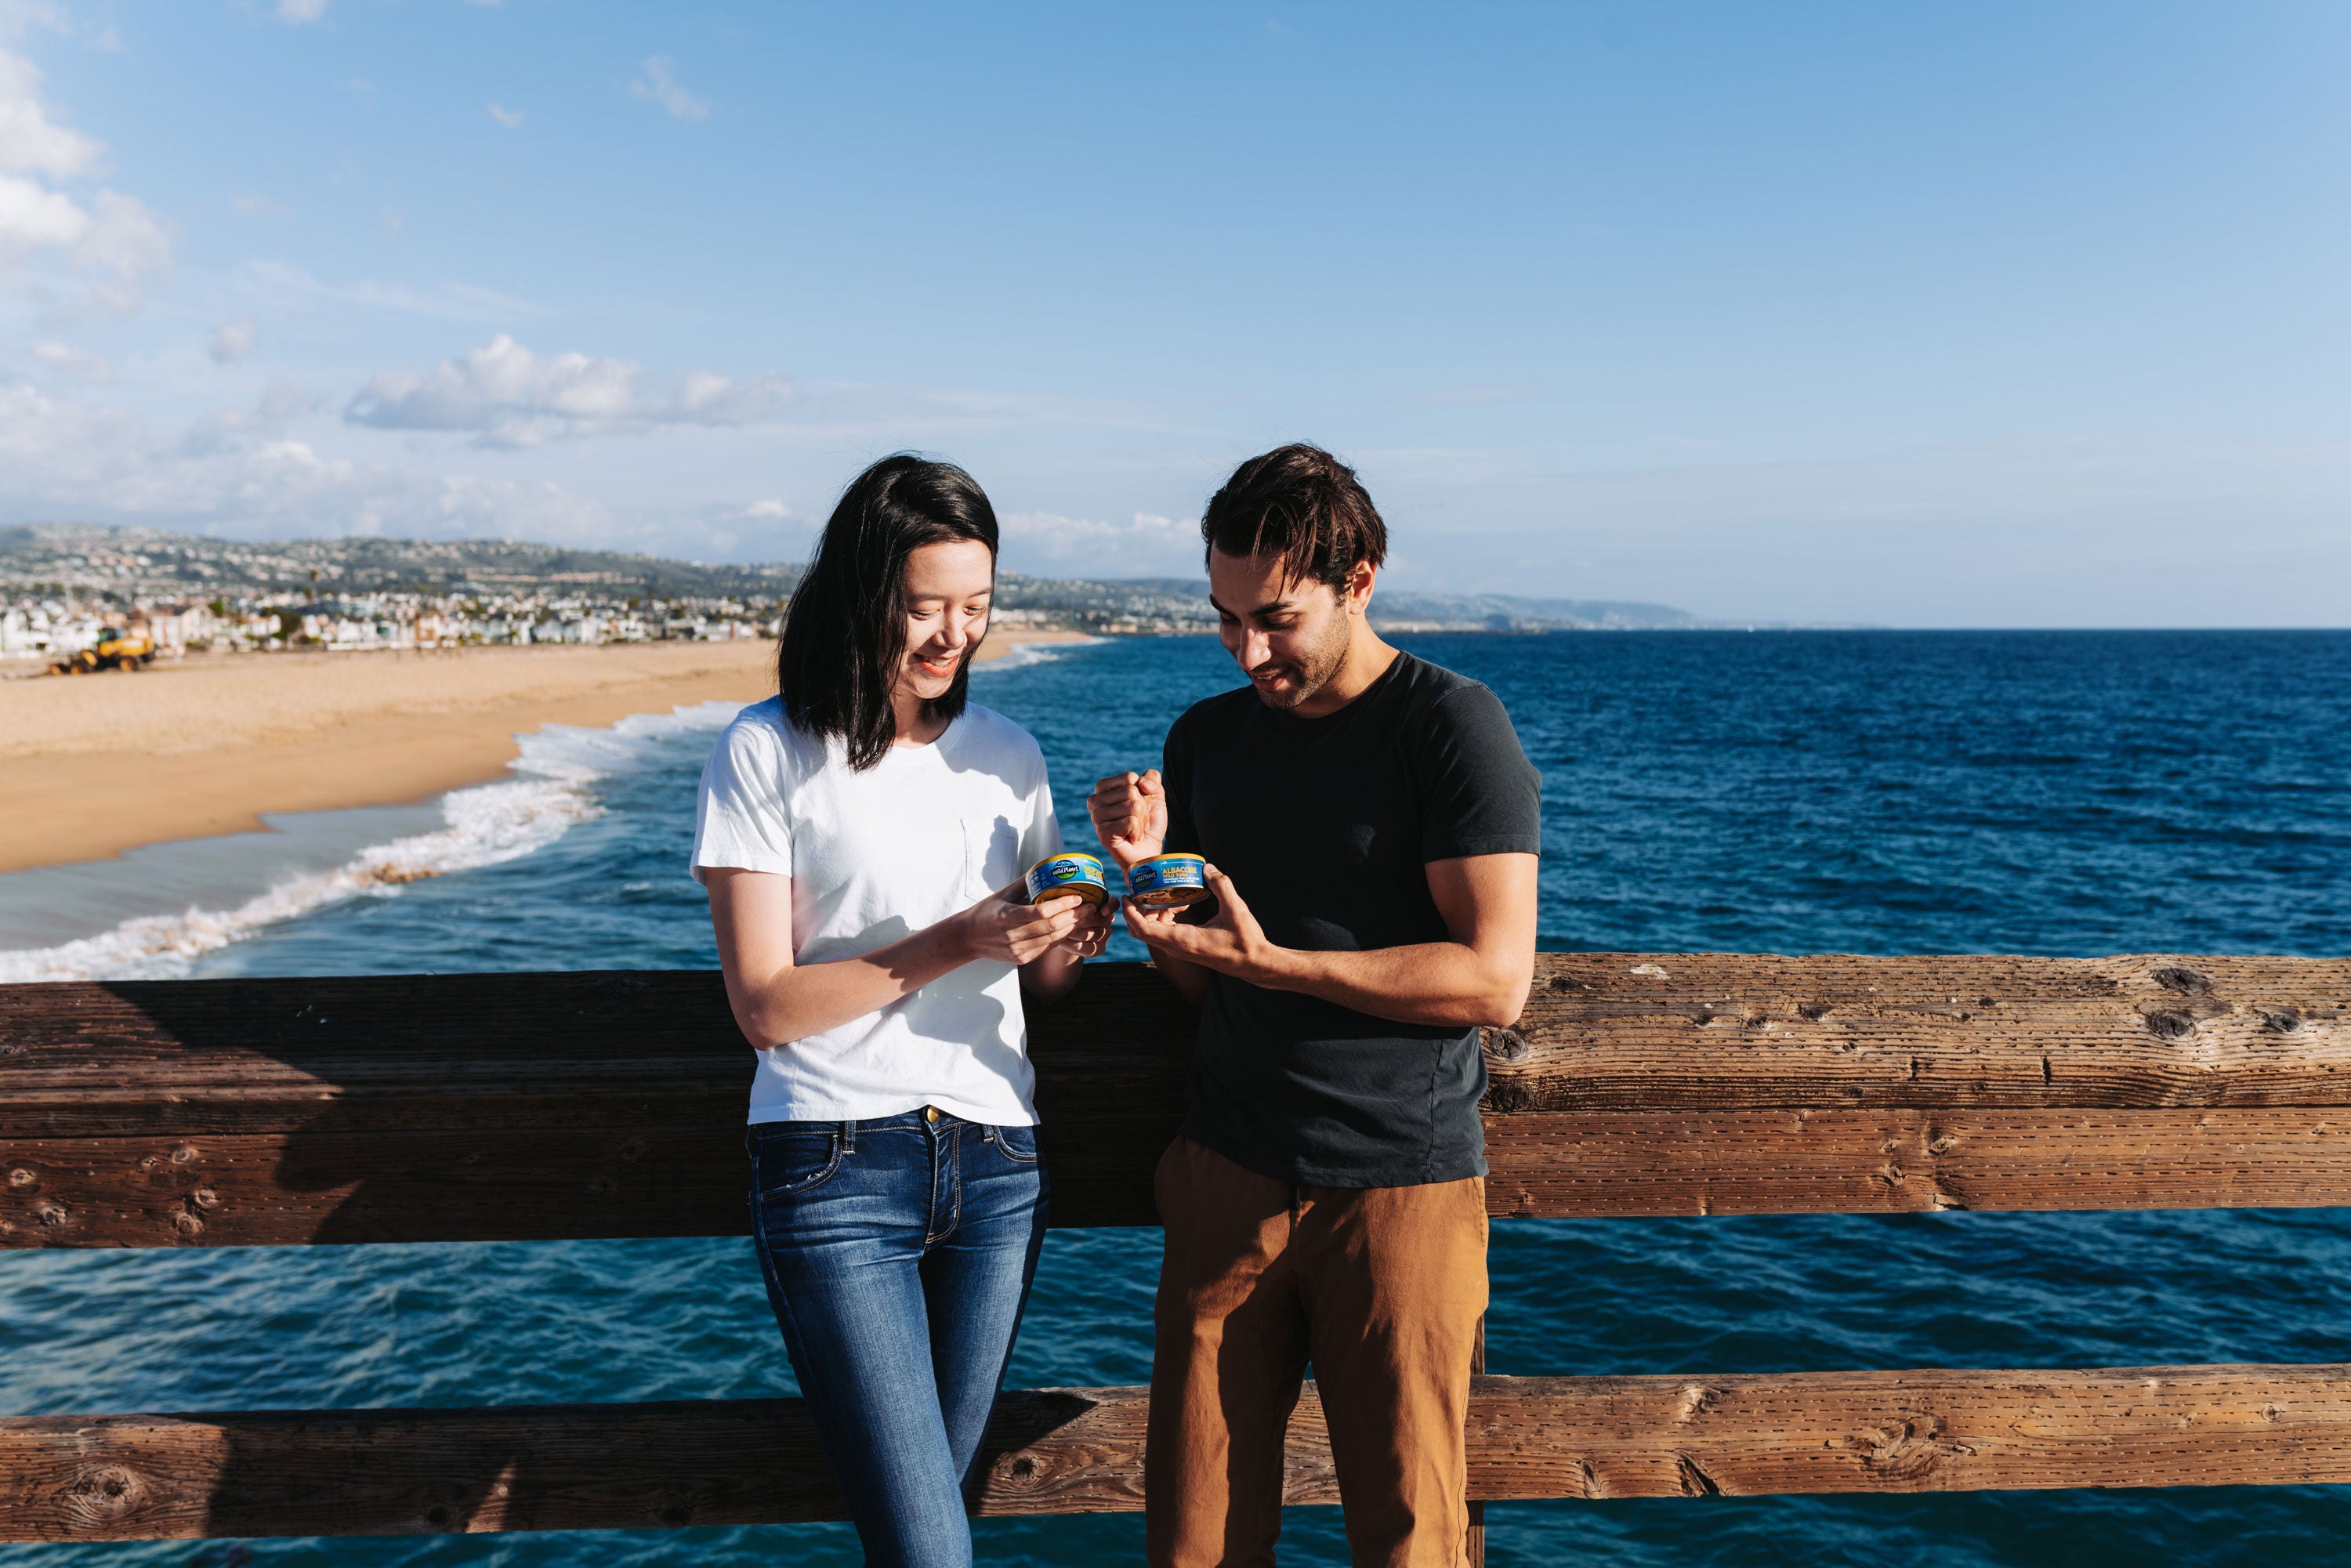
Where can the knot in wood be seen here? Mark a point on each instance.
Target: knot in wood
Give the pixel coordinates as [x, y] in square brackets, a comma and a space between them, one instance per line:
[1507, 1045]
[1020, 1470]
[2171, 1025]
[21, 1177]
[1909, 1452]
[1696, 1400]
[1507, 1095]
[103, 1495]
[204, 1197]
[1693, 1479]
[184, 1154]
[50, 1214]
[603, 1185]
[188, 1224]
[634, 1149]
[2188, 982]
[2285, 1020]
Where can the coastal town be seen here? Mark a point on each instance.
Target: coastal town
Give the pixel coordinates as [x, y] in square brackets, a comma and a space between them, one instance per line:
[69, 589]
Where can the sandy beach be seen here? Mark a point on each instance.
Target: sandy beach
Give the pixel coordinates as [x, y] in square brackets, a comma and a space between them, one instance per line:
[94, 765]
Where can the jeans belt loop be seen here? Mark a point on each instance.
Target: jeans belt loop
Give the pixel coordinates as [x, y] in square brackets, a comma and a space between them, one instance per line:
[848, 1137]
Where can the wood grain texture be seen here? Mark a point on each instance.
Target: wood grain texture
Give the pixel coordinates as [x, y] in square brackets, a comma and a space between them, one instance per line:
[1079, 1451]
[542, 1106]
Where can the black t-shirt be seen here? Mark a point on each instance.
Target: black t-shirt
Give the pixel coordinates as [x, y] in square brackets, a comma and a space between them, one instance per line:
[1326, 826]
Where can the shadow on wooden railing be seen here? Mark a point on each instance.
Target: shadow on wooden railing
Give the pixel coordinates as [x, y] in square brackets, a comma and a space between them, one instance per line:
[488, 1107]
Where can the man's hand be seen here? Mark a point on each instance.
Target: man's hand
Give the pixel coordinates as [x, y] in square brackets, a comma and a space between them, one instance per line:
[1231, 944]
[1130, 813]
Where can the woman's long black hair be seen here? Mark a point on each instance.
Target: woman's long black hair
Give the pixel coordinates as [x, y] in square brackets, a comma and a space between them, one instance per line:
[846, 630]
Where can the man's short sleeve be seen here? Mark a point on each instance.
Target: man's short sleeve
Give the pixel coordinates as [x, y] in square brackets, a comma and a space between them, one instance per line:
[1482, 796]
[739, 819]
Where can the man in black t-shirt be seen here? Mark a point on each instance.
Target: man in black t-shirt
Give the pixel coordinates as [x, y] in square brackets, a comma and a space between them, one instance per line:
[1372, 828]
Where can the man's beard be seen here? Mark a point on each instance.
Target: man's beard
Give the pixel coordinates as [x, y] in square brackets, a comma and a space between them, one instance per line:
[1314, 669]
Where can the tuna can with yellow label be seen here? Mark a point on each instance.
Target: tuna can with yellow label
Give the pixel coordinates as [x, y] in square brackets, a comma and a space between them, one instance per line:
[1067, 876]
[1167, 882]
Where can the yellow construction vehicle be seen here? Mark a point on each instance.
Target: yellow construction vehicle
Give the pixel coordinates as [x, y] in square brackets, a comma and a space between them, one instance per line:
[115, 651]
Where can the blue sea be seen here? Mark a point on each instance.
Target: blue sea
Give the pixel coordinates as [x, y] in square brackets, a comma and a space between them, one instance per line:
[1873, 793]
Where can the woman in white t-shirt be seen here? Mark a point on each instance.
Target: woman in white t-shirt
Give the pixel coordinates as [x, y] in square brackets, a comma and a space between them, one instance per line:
[862, 838]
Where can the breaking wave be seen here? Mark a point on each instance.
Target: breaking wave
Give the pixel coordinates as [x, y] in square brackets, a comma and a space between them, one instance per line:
[485, 825]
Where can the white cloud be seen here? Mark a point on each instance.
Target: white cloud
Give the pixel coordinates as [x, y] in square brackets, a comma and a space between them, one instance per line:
[509, 118]
[30, 141]
[241, 471]
[770, 509]
[505, 395]
[233, 340]
[1149, 544]
[105, 232]
[660, 84]
[296, 11]
[68, 361]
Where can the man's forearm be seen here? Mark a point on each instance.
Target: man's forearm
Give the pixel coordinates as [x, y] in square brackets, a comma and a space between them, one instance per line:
[1427, 983]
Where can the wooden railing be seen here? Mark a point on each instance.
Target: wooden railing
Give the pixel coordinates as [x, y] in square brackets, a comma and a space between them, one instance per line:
[485, 1107]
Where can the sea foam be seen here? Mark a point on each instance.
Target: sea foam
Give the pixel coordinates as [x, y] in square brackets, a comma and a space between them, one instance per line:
[483, 826]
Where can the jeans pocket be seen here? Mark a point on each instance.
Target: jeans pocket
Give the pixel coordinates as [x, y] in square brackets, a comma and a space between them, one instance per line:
[792, 1157]
[1017, 1145]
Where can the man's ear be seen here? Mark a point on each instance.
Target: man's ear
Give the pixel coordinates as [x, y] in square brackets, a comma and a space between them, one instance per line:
[1360, 583]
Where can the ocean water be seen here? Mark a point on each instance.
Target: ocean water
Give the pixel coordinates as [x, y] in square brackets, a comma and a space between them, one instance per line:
[2052, 793]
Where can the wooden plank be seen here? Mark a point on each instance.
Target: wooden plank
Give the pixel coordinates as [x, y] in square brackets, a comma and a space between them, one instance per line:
[544, 1106]
[1079, 1451]
[539, 1184]
[1725, 1030]
[1601, 1031]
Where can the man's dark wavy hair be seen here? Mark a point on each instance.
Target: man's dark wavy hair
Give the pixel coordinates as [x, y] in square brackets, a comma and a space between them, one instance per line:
[846, 630]
[1302, 504]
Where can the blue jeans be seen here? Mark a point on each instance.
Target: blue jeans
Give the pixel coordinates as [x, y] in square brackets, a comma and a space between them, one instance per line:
[898, 1253]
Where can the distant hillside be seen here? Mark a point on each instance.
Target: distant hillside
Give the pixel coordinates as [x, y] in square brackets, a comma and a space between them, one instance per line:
[90, 560]
[1186, 599]
[135, 564]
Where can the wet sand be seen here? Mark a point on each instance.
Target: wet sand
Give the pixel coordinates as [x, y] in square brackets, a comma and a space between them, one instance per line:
[94, 765]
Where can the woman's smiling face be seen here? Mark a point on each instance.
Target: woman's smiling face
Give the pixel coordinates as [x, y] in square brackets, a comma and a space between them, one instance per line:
[949, 586]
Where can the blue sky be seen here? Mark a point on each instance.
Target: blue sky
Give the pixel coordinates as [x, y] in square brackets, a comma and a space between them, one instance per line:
[1985, 314]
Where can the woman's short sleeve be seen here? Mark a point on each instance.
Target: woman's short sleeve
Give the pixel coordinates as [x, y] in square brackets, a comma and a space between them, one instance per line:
[739, 818]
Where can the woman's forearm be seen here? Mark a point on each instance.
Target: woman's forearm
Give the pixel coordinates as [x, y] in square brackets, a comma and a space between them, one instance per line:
[801, 999]
[1050, 977]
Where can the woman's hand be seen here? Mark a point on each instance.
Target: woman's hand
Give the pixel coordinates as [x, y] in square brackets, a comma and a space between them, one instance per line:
[1091, 935]
[1005, 928]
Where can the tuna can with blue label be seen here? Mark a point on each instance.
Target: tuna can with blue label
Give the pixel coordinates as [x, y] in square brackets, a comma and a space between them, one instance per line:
[1167, 882]
[1067, 876]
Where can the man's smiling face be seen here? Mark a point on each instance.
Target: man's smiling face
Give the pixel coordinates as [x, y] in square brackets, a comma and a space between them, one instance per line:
[1289, 635]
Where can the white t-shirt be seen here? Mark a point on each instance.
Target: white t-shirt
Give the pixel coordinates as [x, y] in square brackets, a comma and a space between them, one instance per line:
[875, 856]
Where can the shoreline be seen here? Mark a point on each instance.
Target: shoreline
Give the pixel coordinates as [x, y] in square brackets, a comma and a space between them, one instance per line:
[91, 766]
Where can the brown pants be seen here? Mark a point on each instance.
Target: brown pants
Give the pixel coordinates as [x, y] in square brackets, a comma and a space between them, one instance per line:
[1382, 1287]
